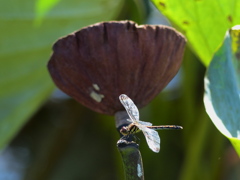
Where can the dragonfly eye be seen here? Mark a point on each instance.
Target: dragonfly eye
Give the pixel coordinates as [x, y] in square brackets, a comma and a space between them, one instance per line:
[124, 131]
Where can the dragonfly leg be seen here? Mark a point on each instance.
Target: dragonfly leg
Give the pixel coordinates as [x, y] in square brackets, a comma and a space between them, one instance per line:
[136, 139]
[130, 138]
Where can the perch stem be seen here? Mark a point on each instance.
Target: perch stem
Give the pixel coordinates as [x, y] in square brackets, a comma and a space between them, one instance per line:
[131, 156]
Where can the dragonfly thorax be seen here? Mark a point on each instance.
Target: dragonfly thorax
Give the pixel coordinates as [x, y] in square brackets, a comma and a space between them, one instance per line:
[130, 129]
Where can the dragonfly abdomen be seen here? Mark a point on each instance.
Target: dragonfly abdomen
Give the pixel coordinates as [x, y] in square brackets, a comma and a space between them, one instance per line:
[165, 127]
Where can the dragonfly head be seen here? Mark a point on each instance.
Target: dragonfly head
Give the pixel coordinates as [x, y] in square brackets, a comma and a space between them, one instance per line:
[124, 131]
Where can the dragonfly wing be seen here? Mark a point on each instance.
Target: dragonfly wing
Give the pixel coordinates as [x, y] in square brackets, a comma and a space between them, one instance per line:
[129, 120]
[145, 123]
[152, 138]
[130, 107]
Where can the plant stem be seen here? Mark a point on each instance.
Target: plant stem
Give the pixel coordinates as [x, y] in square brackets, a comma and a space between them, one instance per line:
[131, 156]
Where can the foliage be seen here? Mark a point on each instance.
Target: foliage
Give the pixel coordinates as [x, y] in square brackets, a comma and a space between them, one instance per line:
[222, 89]
[28, 30]
[203, 22]
[65, 139]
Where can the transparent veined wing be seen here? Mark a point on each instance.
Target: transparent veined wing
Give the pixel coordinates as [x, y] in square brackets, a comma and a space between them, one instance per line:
[152, 138]
[129, 120]
[130, 107]
[145, 123]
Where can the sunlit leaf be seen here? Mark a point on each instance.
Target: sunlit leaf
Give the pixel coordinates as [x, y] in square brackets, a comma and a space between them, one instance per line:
[42, 8]
[221, 97]
[25, 49]
[204, 23]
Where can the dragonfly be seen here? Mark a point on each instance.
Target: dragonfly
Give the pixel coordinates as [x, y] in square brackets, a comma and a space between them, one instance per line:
[135, 126]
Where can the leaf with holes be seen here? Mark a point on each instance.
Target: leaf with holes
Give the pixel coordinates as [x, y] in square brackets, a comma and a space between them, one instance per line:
[204, 23]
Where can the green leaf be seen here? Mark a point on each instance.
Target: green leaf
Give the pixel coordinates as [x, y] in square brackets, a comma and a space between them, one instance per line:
[221, 96]
[204, 23]
[28, 30]
[42, 8]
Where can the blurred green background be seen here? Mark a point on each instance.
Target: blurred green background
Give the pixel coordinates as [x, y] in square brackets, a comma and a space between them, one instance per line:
[47, 135]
